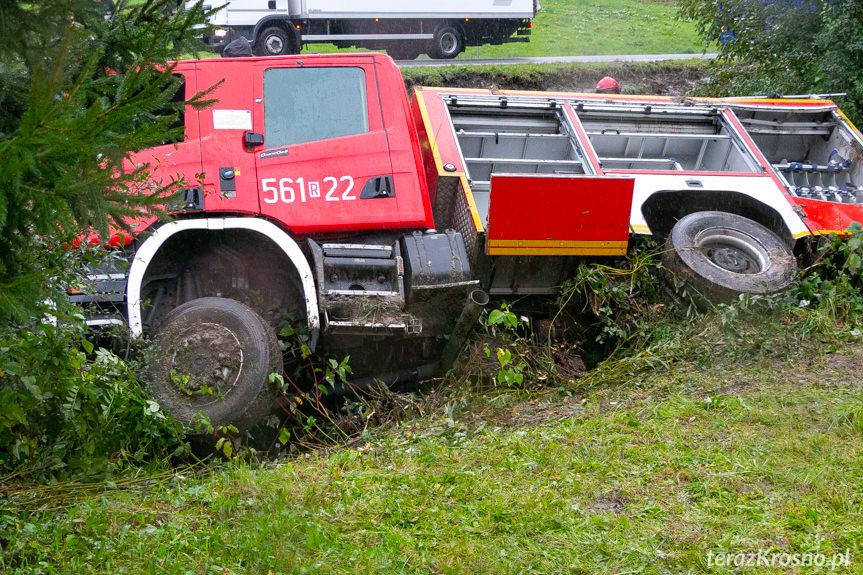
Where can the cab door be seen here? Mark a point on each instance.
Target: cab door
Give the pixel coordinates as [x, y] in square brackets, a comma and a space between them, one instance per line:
[324, 164]
[228, 175]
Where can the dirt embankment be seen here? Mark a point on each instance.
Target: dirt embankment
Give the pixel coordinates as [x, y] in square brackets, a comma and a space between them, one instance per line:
[662, 78]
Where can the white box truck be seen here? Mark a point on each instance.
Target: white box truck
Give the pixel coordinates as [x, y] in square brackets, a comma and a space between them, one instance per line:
[404, 28]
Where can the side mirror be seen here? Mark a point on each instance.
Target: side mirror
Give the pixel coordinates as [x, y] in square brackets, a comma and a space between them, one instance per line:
[252, 140]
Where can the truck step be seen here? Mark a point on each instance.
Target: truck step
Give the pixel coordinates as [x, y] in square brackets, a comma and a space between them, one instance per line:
[403, 325]
[361, 288]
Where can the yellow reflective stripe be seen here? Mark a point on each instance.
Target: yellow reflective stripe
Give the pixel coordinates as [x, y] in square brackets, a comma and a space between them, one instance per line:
[824, 233]
[558, 244]
[468, 194]
[556, 251]
[850, 123]
[431, 136]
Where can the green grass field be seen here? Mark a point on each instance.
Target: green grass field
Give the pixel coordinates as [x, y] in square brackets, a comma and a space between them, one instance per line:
[589, 27]
[720, 454]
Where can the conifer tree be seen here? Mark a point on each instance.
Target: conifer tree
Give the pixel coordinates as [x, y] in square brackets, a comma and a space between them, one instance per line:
[83, 83]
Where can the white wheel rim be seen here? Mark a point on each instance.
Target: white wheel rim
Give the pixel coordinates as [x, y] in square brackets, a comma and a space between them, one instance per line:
[274, 45]
[732, 251]
[448, 43]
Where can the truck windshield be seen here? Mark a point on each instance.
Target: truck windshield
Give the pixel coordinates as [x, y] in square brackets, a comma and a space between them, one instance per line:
[309, 104]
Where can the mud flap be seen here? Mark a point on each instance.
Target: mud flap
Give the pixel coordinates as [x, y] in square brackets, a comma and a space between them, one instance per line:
[559, 215]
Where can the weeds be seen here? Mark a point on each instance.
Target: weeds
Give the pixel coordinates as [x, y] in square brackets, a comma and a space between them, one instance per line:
[69, 410]
[625, 323]
[303, 399]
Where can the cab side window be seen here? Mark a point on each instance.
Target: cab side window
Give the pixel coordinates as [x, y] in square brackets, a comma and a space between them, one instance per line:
[309, 104]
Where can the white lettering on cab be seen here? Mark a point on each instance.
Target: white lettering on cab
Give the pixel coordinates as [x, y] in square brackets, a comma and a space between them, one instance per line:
[288, 190]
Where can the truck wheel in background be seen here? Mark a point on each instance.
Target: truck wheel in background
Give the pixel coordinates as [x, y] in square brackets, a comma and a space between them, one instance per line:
[448, 43]
[214, 355]
[723, 255]
[275, 41]
[403, 50]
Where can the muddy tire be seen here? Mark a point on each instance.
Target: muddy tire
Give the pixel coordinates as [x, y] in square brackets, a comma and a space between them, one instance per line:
[722, 255]
[214, 355]
[448, 43]
[275, 41]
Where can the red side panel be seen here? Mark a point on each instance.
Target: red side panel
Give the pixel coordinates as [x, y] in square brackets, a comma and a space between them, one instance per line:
[439, 131]
[829, 217]
[559, 215]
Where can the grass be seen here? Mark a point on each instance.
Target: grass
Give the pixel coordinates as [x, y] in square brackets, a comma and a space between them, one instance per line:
[591, 27]
[734, 448]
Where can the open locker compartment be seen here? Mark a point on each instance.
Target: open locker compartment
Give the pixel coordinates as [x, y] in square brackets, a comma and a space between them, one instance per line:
[811, 148]
[664, 138]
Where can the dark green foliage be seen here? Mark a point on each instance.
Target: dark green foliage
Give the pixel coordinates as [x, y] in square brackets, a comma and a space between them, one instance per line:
[68, 409]
[607, 304]
[64, 413]
[80, 92]
[835, 281]
[784, 46]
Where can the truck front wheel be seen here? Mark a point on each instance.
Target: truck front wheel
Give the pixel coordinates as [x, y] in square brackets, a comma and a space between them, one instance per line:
[448, 43]
[723, 254]
[214, 356]
[275, 41]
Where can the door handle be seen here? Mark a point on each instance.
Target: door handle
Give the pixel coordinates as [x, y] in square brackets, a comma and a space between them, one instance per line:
[252, 140]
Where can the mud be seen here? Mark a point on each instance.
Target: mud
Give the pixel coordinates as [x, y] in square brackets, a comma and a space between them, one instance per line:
[612, 502]
[635, 78]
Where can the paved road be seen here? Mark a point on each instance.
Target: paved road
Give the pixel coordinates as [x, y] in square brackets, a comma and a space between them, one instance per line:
[552, 60]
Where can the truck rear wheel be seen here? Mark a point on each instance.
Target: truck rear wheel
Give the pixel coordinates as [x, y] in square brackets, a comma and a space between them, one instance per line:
[448, 43]
[275, 41]
[723, 254]
[214, 355]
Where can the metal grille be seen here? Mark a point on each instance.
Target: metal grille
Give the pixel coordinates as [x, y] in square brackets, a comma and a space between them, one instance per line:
[445, 201]
[463, 222]
[452, 212]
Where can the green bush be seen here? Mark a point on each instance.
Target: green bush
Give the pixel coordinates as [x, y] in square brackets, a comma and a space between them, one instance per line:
[784, 47]
[69, 410]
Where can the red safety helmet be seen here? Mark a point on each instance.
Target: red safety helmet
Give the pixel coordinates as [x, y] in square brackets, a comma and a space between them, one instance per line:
[608, 85]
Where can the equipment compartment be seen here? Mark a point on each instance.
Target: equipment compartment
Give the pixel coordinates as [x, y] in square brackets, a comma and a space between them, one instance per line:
[649, 138]
[812, 150]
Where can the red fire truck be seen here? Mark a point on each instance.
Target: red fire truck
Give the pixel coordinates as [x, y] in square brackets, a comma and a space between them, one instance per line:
[319, 193]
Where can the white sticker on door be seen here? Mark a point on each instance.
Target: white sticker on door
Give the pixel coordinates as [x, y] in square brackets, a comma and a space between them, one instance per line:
[232, 119]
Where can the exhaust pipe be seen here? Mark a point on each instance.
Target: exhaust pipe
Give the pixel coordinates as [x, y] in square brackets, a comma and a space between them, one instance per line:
[476, 300]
